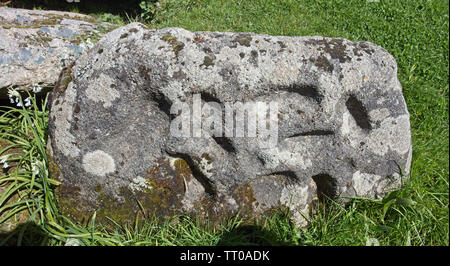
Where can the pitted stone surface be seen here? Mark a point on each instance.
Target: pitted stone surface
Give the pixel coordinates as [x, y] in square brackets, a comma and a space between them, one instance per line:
[35, 45]
[343, 125]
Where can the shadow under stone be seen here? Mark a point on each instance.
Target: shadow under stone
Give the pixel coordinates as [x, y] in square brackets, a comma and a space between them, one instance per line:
[25, 234]
[116, 7]
[251, 235]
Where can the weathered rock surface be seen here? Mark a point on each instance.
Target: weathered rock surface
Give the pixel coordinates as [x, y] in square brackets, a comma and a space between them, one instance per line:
[343, 125]
[35, 45]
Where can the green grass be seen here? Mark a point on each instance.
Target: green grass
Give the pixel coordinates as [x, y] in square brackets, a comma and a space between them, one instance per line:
[416, 33]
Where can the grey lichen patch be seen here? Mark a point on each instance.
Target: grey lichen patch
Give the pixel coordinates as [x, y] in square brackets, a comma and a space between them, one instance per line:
[363, 47]
[254, 58]
[36, 45]
[102, 90]
[379, 114]
[180, 75]
[98, 163]
[336, 48]
[243, 39]
[53, 168]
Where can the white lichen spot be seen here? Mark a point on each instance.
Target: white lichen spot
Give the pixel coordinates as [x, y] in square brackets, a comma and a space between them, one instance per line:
[98, 163]
[101, 90]
[364, 183]
[139, 184]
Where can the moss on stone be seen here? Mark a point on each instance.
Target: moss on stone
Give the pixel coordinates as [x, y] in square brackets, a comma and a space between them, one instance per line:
[98, 188]
[244, 196]
[177, 46]
[9, 26]
[53, 169]
[169, 38]
[109, 208]
[93, 36]
[70, 204]
[243, 39]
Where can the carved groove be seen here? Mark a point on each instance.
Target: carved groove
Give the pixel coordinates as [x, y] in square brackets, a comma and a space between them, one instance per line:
[304, 90]
[163, 103]
[359, 112]
[207, 97]
[225, 143]
[289, 174]
[197, 173]
[313, 133]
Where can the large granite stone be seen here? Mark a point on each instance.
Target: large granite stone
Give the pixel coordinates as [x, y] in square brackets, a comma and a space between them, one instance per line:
[342, 124]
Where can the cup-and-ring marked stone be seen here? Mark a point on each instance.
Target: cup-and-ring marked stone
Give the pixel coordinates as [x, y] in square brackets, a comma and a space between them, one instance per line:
[116, 129]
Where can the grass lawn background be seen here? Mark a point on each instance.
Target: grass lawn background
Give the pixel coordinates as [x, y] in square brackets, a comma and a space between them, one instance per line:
[416, 33]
